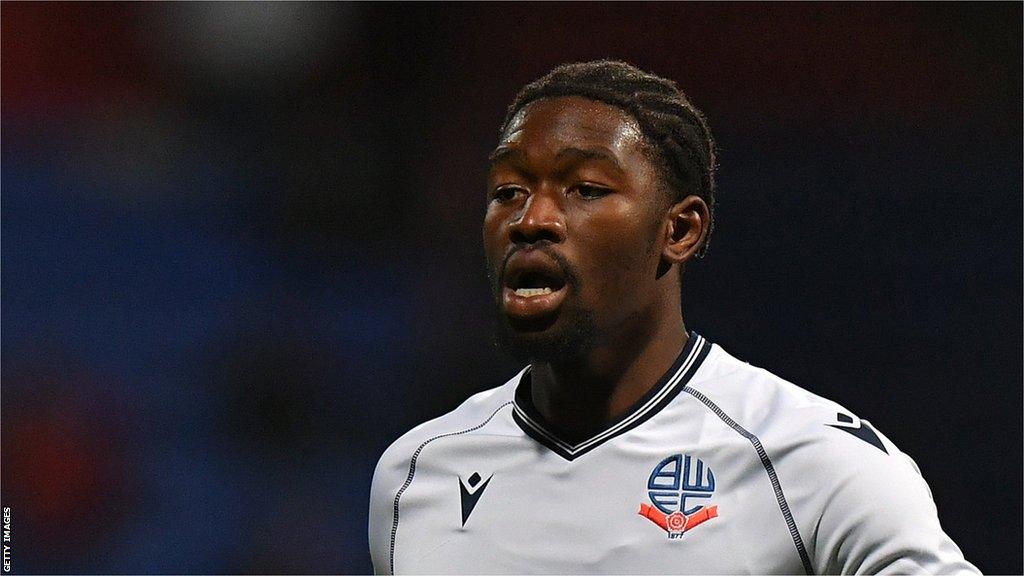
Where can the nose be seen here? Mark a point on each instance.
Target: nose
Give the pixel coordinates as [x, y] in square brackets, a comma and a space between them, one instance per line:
[541, 219]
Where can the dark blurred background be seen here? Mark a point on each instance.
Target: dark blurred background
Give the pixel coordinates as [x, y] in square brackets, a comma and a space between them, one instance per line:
[241, 250]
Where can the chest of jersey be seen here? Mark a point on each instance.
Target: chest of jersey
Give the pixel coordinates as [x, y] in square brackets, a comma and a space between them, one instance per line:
[662, 498]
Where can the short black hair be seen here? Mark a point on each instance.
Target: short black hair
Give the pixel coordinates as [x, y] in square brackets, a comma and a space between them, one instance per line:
[678, 137]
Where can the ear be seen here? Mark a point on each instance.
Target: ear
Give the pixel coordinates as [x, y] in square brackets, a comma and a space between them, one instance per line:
[689, 222]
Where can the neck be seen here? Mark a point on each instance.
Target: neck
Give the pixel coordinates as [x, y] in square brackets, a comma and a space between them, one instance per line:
[586, 394]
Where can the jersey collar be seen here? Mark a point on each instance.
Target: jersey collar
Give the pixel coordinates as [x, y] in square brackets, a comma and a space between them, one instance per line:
[670, 384]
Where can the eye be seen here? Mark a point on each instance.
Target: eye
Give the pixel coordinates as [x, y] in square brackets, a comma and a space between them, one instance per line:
[591, 191]
[505, 193]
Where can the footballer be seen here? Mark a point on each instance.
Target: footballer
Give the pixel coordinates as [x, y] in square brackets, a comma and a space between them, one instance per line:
[628, 443]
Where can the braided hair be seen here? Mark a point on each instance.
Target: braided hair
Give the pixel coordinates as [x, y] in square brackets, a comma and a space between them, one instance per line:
[678, 140]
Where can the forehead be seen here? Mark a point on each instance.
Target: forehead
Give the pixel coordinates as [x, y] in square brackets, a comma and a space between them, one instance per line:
[574, 121]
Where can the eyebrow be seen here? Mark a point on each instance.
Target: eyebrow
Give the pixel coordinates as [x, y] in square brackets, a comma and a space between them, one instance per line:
[595, 153]
[504, 153]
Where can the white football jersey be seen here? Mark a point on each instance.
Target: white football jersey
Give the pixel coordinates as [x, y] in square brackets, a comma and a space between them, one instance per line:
[721, 468]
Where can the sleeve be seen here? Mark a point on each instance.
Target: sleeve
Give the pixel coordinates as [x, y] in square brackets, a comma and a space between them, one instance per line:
[880, 518]
[385, 486]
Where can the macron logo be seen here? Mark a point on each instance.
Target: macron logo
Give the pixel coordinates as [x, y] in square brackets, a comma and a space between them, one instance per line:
[862, 430]
[471, 494]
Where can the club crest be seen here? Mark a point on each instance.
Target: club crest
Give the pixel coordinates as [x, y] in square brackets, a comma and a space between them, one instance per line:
[679, 489]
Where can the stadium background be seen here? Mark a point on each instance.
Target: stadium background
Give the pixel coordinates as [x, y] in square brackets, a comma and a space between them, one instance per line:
[240, 250]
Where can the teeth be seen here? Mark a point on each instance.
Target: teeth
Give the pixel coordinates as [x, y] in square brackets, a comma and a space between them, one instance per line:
[531, 292]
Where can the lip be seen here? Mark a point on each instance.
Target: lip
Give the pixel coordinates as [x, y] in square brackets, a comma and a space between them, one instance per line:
[532, 261]
[533, 307]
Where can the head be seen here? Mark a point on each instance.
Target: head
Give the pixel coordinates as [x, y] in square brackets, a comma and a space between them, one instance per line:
[599, 192]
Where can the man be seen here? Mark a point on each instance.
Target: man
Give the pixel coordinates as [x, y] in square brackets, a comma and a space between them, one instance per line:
[628, 444]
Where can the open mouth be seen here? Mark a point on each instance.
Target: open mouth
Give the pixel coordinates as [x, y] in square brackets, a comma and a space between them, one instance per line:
[534, 286]
[530, 284]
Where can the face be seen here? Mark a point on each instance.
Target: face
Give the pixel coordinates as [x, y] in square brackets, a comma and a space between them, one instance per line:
[574, 231]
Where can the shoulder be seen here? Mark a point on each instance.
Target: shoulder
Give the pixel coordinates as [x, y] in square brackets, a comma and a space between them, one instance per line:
[472, 415]
[805, 434]
[778, 411]
[860, 502]
[395, 467]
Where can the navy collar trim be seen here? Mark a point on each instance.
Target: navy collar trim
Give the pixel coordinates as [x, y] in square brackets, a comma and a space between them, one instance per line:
[659, 396]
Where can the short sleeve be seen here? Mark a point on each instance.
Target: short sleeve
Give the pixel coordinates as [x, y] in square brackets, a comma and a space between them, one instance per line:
[879, 518]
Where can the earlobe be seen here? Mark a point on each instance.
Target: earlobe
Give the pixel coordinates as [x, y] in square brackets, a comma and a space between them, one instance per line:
[687, 230]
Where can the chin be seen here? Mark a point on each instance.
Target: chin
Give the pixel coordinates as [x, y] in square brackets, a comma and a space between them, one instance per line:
[546, 340]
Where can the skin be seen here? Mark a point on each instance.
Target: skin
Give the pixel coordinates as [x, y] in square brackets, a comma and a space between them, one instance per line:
[571, 179]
